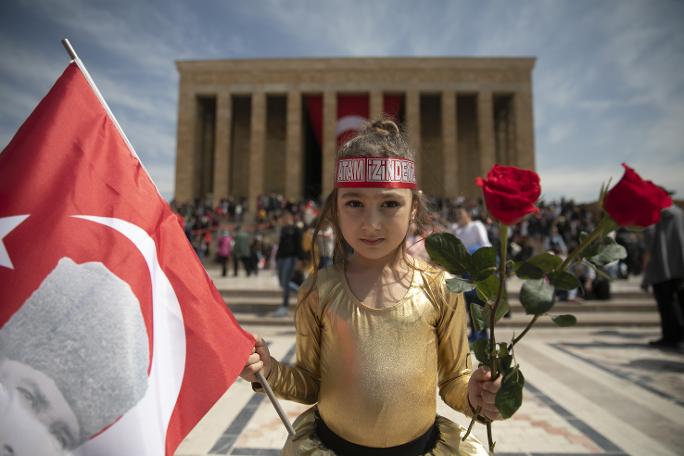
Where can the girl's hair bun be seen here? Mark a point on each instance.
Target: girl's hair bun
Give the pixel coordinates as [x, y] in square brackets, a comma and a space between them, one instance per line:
[380, 138]
[385, 127]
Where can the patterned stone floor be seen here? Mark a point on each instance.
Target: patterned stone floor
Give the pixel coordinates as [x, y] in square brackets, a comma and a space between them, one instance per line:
[589, 391]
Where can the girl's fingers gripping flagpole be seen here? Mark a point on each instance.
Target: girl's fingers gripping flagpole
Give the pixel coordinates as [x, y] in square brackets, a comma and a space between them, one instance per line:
[72, 54]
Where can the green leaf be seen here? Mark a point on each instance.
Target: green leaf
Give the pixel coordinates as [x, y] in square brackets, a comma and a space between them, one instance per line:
[487, 289]
[527, 271]
[448, 251]
[509, 397]
[501, 310]
[608, 252]
[481, 350]
[538, 265]
[564, 320]
[486, 312]
[563, 280]
[546, 261]
[537, 297]
[599, 271]
[484, 262]
[480, 322]
[459, 285]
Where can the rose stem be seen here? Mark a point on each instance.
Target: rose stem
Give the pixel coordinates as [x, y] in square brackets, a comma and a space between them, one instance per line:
[503, 234]
[520, 336]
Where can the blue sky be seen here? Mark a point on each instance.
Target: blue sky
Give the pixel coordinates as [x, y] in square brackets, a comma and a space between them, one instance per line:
[608, 83]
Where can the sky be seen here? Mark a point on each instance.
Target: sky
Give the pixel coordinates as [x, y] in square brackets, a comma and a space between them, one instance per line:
[608, 83]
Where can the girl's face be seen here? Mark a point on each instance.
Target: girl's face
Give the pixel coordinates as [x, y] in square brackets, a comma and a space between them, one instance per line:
[374, 221]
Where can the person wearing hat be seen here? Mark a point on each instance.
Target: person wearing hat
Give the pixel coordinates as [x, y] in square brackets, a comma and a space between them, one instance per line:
[73, 359]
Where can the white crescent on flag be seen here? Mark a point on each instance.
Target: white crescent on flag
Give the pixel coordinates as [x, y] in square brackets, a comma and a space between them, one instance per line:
[348, 123]
[126, 436]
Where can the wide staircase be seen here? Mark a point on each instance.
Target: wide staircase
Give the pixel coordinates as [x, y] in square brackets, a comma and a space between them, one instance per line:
[252, 300]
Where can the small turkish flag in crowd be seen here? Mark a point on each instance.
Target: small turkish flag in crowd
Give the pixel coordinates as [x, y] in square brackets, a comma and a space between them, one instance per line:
[113, 339]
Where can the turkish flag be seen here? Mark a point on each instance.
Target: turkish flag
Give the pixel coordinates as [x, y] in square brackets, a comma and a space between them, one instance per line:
[352, 112]
[100, 292]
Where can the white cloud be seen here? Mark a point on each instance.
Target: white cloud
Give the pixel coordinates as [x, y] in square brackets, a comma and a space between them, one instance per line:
[583, 184]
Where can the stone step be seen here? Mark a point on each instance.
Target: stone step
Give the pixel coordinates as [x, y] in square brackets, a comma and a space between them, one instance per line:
[589, 319]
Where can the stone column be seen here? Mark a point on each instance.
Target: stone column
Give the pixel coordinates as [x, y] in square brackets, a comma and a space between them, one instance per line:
[293, 146]
[413, 127]
[329, 140]
[524, 128]
[222, 147]
[185, 148]
[449, 144]
[375, 107]
[257, 137]
[485, 130]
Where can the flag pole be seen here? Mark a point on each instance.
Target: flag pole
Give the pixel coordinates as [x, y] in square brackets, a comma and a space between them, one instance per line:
[79, 63]
[74, 57]
[276, 404]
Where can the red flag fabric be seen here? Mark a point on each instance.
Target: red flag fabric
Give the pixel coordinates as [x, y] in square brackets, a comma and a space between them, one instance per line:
[314, 107]
[352, 112]
[103, 302]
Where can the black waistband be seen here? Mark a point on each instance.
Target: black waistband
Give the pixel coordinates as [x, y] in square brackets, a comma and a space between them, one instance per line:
[419, 446]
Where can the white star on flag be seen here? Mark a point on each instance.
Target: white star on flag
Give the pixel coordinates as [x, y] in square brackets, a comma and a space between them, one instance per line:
[7, 224]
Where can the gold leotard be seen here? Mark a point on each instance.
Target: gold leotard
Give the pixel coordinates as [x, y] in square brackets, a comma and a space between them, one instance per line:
[373, 372]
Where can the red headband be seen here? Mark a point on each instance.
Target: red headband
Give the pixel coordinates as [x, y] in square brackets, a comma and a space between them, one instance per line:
[381, 172]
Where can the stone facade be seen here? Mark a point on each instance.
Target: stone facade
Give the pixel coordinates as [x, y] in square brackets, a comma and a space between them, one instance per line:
[243, 129]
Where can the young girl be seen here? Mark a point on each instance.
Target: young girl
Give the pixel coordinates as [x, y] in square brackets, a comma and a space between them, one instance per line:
[377, 332]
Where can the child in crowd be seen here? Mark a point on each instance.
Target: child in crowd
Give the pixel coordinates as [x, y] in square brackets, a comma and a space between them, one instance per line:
[377, 331]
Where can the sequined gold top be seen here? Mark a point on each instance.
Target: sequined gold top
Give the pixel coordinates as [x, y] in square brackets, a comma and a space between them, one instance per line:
[374, 372]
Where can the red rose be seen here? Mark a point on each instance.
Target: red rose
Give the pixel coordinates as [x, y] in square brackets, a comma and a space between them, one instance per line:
[634, 201]
[510, 193]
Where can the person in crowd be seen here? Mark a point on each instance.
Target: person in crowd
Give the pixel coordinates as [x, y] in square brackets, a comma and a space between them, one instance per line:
[555, 243]
[241, 244]
[664, 271]
[471, 232]
[377, 333]
[225, 249]
[289, 252]
[255, 254]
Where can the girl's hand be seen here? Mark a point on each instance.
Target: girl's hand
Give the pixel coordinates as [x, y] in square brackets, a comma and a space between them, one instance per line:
[259, 360]
[482, 393]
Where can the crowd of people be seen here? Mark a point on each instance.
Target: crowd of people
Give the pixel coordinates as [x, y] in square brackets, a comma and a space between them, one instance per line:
[229, 234]
[278, 236]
